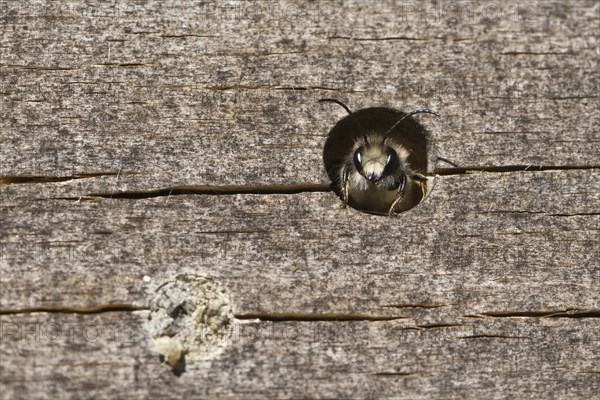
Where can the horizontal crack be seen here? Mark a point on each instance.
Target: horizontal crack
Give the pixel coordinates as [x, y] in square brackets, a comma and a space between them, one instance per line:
[307, 317]
[492, 337]
[569, 313]
[20, 179]
[393, 373]
[125, 65]
[74, 310]
[178, 36]
[214, 190]
[256, 189]
[416, 305]
[379, 39]
[282, 88]
[538, 53]
[510, 168]
[575, 214]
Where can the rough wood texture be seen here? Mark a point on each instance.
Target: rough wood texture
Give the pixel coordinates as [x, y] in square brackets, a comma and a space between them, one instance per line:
[145, 140]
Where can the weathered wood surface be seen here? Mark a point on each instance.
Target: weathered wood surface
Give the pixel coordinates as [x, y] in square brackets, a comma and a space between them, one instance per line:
[488, 289]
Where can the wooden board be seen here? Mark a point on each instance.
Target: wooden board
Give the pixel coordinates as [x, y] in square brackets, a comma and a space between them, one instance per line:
[145, 141]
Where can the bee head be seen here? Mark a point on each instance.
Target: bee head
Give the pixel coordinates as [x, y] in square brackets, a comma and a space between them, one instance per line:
[375, 160]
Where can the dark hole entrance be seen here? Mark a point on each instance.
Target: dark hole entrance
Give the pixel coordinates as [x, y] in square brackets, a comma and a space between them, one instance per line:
[393, 187]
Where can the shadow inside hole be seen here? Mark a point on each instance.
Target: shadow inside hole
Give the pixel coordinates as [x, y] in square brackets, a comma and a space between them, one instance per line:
[178, 368]
[409, 139]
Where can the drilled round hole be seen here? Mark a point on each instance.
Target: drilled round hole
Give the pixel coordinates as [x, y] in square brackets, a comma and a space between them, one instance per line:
[190, 319]
[377, 159]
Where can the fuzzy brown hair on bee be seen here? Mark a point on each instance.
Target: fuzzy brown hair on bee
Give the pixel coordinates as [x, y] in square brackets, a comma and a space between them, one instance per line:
[377, 159]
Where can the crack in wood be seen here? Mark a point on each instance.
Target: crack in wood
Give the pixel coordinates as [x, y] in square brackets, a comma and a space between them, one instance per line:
[186, 35]
[21, 179]
[261, 189]
[124, 65]
[325, 317]
[493, 337]
[539, 53]
[380, 39]
[269, 189]
[568, 313]
[416, 305]
[214, 190]
[390, 374]
[511, 168]
[260, 54]
[105, 308]
[308, 317]
[575, 214]
[262, 87]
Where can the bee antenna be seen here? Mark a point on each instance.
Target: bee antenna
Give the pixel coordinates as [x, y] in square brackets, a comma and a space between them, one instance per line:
[410, 114]
[336, 101]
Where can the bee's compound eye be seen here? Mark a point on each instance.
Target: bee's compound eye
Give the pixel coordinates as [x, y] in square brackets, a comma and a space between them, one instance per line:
[358, 159]
[391, 157]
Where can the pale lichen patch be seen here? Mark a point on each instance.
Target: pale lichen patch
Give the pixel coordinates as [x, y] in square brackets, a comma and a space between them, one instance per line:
[190, 320]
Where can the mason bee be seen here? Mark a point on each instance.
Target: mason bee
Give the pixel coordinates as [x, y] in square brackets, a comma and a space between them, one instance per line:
[377, 159]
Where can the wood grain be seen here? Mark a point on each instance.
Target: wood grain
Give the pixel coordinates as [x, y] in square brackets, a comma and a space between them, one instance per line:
[145, 140]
